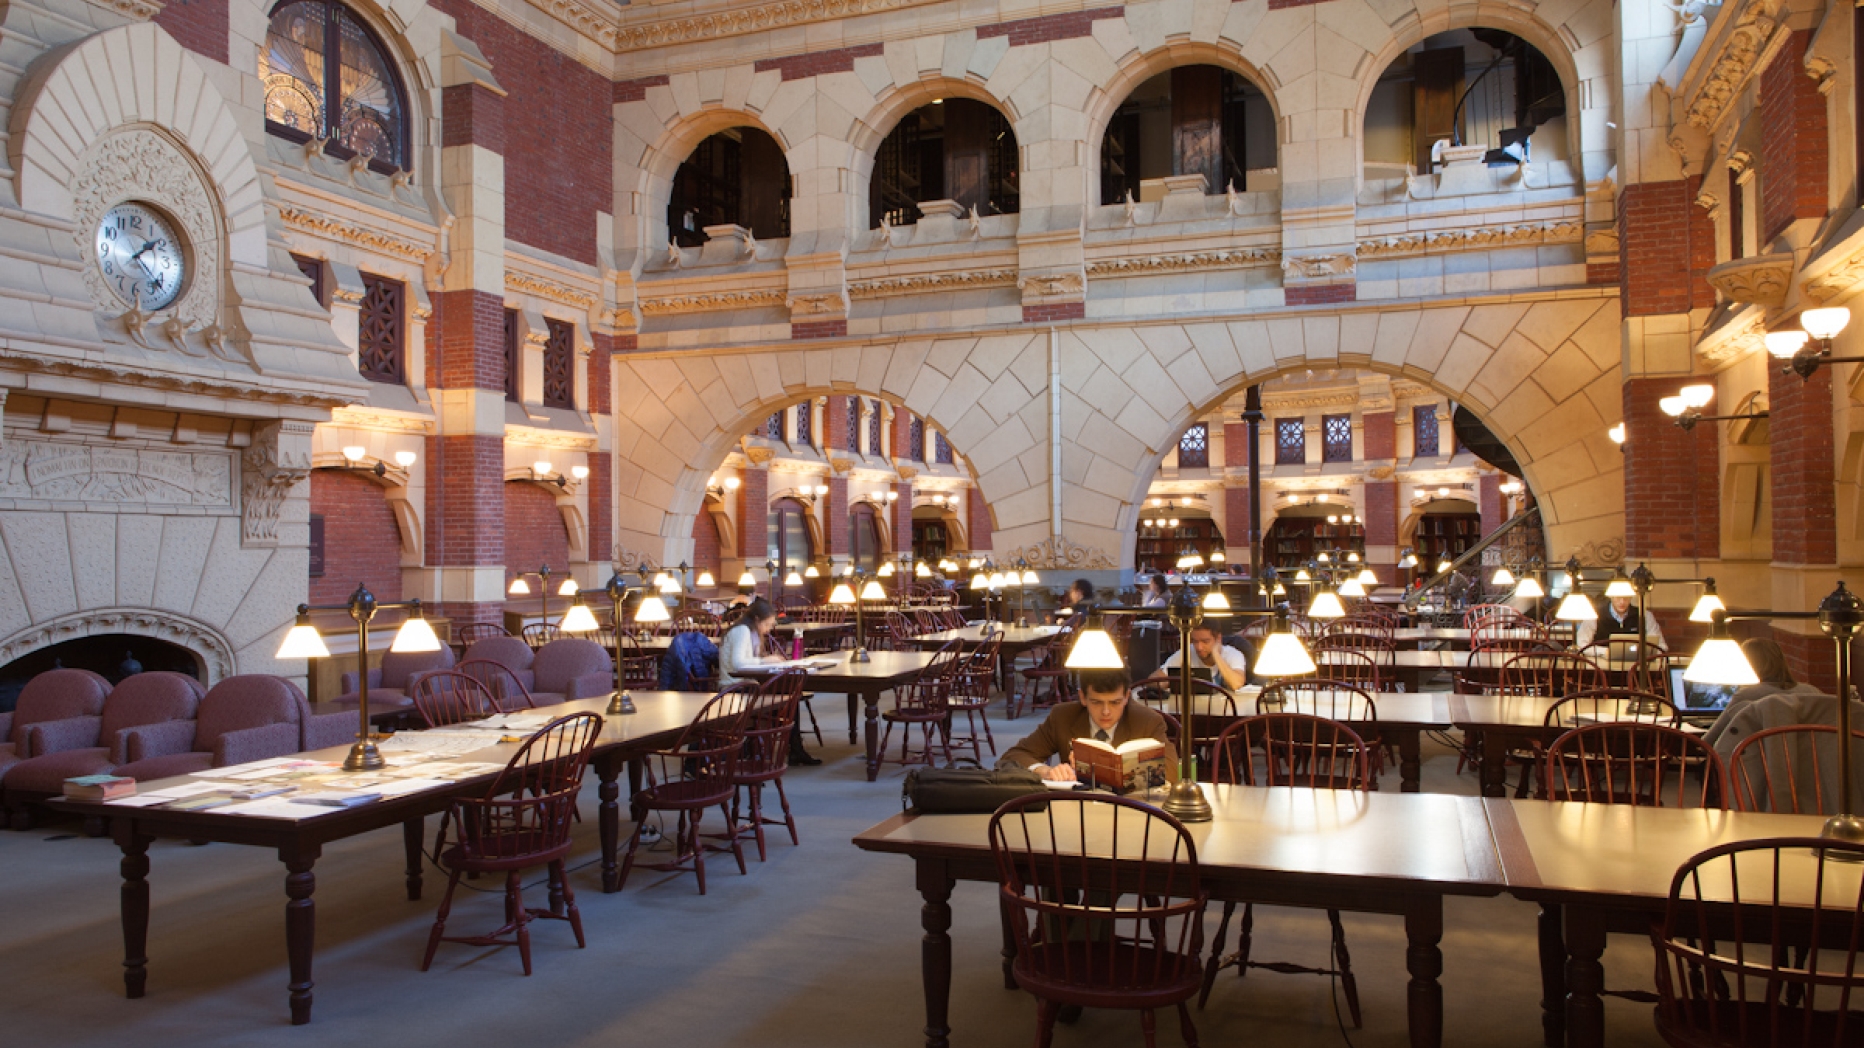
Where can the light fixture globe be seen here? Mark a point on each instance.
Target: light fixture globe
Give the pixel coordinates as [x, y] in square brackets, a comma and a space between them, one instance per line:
[579, 619]
[1616, 433]
[405, 459]
[1707, 604]
[1783, 344]
[1825, 323]
[1672, 406]
[652, 609]
[1697, 396]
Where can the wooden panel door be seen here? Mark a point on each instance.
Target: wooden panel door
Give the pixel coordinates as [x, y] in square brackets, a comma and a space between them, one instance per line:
[1436, 84]
[1197, 124]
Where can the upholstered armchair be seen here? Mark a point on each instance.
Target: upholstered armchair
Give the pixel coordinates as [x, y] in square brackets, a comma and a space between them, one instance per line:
[570, 669]
[76, 746]
[391, 684]
[245, 718]
[509, 652]
[59, 695]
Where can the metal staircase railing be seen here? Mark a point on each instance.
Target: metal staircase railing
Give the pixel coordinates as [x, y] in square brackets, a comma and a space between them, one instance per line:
[1416, 596]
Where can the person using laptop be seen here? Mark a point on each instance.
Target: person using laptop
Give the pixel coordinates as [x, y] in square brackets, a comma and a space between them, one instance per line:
[1617, 621]
[1104, 713]
[1210, 658]
[1769, 662]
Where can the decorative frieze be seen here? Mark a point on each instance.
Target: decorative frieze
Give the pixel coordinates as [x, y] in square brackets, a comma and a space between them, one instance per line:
[202, 640]
[1318, 267]
[1473, 238]
[720, 24]
[119, 477]
[1147, 265]
[1731, 63]
[709, 301]
[919, 283]
[330, 227]
[553, 439]
[1835, 281]
[1057, 553]
[522, 283]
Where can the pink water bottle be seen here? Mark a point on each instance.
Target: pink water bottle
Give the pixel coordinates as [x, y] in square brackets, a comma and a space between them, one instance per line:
[796, 646]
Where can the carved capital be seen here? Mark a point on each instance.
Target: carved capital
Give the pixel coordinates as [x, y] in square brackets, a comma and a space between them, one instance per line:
[758, 454]
[277, 461]
[1762, 279]
[840, 466]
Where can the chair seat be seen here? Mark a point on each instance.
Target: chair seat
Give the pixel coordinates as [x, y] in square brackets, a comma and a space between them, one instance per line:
[686, 793]
[46, 774]
[379, 699]
[167, 767]
[1793, 1033]
[508, 851]
[1124, 976]
[913, 716]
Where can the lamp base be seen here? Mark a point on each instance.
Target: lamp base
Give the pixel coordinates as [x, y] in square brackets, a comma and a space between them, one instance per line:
[1848, 828]
[363, 756]
[1186, 802]
[621, 703]
[860, 655]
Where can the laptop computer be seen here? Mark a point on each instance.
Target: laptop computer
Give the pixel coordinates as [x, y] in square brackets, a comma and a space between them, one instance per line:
[1699, 704]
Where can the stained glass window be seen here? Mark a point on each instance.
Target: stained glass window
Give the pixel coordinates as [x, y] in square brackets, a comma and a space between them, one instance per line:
[805, 425]
[773, 427]
[1194, 448]
[1425, 433]
[1337, 433]
[874, 446]
[916, 439]
[327, 76]
[560, 364]
[854, 424]
[941, 448]
[1290, 442]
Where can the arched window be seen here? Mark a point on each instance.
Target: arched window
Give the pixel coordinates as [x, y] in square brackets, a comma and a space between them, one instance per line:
[736, 177]
[1465, 87]
[953, 149]
[327, 76]
[789, 538]
[864, 538]
[1192, 120]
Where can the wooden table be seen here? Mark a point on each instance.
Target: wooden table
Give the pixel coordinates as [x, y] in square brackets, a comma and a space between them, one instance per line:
[1412, 668]
[867, 681]
[1601, 868]
[1016, 640]
[1400, 716]
[1504, 723]
[1319, 849]
[299, 841]
[1451, 637]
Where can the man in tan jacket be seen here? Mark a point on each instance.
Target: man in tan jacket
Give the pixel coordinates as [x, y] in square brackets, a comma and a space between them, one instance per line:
[1104, 712]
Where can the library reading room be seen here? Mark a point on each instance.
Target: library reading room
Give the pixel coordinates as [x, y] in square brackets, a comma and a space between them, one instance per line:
[963, 523]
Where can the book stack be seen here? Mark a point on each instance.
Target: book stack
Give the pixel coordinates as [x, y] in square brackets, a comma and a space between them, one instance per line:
[99, 787]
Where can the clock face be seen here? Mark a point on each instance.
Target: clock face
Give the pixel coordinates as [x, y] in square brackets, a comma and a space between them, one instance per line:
[142, 256]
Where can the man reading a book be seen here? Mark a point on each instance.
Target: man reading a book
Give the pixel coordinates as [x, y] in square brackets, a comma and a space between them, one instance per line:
[1217, 660]
[1103, 713]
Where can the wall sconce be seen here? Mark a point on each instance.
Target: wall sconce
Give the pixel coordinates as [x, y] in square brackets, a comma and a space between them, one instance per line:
[1686, 407]
[354, 454]
[1795, 347]
[580, 472]
[540, 472]
[1617, 435]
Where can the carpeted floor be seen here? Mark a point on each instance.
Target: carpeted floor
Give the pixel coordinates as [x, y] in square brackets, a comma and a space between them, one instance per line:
[817, 947]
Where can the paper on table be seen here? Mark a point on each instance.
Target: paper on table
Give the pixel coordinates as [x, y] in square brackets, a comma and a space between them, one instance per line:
[233, 771]
[191, 789]
[401, 786]
[270, 808]
[140, 800]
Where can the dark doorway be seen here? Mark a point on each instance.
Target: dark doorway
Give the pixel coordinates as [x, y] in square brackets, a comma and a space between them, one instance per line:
[113, 655]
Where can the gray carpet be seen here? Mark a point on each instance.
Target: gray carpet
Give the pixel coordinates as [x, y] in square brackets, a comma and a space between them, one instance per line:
[817, 947]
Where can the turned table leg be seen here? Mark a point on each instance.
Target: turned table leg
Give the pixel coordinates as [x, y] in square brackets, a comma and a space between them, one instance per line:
[1423, 928]
[300, 929]
[135, 903]
[411, 833]
[935, 886]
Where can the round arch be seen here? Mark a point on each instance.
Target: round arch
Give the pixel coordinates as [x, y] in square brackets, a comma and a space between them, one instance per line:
[871, 130]
[1105, 100]
[663, 157]
[1407, 528]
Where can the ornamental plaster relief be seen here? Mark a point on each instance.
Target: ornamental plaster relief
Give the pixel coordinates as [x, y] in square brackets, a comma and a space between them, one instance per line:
[123, 479]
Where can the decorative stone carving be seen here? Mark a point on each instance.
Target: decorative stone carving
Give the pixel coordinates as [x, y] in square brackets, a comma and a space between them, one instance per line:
[1476, 238]
[1317, 267]
[840, 466]
[706, 302]
[632, 559]
[758, 454]
[268, 472]
[525, 284]
[136, 9]
[830, 303]
[1602, 242]
[1835, 281]
[1760, 279]
[1381, 472]
[330, 227]
[126, 477]
[919, 283]
[1058, 552]
[142, 164]
[1052, 285]
[381, 421]
[1602, 553]
[203, 640]
[711, 26]
[905, 472]
[1144, 265]
[555, 439]
[1732, 63]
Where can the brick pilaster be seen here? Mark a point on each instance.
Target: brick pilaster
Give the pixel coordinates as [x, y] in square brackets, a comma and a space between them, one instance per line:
[903, 518]
[977, 520]
[1489, 502]
[601, 463]
[837, 523]
[1794, 180]
[1381, 515]
[1672, 490]
[1666, 245]
[753, 518]
[1800, 454]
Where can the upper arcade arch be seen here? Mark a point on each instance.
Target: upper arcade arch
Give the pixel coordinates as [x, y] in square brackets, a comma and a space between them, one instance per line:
[659, 161]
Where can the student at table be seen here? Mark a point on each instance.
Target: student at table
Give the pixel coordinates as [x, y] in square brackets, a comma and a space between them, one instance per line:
[1080, 592]
[743, 645]
[1617, 621]
[1156, 596]
[1104, 712]
[1225, 664]
[1737, 721]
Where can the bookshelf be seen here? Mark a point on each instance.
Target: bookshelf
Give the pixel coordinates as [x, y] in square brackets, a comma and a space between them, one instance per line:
[1158, 549]
[931, 542]
[1446, 535]
[1293, 541]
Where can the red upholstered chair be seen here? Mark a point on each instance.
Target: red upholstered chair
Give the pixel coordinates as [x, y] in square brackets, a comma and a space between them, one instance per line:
[243, 718]
[1759, 947]
[1288, 749]
[55, 695]
[699, 771]
[143, 699]
[1631, 763]
[1115, 923]
[570, 669]
[450, 697]
[1793, 770]
[509, 652]
[390, 684]
[522, 821]
[508, 692]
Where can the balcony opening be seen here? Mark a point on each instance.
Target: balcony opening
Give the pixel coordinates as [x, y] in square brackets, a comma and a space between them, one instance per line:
[1190, 120]
[952, 149]
[736, 177]
[1465, 87]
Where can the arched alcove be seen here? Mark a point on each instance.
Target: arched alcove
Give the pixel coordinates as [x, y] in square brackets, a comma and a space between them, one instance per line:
[1465, 86]
[737, 176]
[1190, 120]
[956, 149]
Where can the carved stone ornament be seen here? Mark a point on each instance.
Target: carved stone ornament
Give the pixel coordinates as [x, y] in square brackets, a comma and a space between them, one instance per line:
[1317, 267]
[1057, 553]
[704, 302]
[1732, 64]
[1762, 279]
[631, 559]
[1381, 472]
[267, 476]
[381, 421]
[1476, 238]
[924, 282]
[1602, 553]
[828, 303]
[1602, 242]
[758, 454]
[1836, 281]
[905, 472]
[214, 649]
[1735, 337]
[526, 284]
[329, 227]
[140, 164]
[760, 18]
[115, 475]
[1143, 265]
[1052, 285]
[840, 466]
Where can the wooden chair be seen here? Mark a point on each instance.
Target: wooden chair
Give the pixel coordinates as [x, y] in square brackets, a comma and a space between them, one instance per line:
[697, 772]
[1549, 673]
[507, 691]
[1793, 770]
[522, 821]
[640, 668]
[1351, 664]
[901, 629]
[538, 634]
[452, 697]
[1759, 946]
[698, 620]
[1117, 923]
[1597, 706]
[1216, 710]
[1361, 624]
[768, 721]
[464, 636]
[922, 701]
[1288, 749]
[1319, 696]
[970, 694]
[1633, 763]
[1047, 681]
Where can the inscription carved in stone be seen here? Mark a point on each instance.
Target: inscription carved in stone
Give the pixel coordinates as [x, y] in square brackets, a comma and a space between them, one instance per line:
[51, 470]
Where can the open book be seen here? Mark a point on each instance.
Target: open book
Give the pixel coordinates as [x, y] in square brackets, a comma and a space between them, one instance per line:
[1137, 764]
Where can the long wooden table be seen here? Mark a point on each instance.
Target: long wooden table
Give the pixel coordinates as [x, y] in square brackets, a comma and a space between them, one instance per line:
[299, 839]
[1323, 849]
[1016, 641]
[1599, 868]
[1504, 723]
[885, 671]
[1413, 668]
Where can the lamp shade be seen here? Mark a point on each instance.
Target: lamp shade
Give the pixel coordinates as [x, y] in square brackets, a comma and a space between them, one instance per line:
[1217, 556]
[1368, 577]
[518, 587]
[1352, 588]
[1283, 655]
[1574, 607]
[948, 565]
[873, 591]
[886, 570]
[1279, 590]
[978, 581]
[1720, 661]
[921, 571]
[995, 581]
[705, 580]
[1616, 433]
[1698, 395]
[1216, 601]
[1093, 650]
[652, 609]
[1301, 575]
[1620, 586]
[1673, 406]
[1352, 557]
[415, 635]
[1529, 587]
[1030, 578]
[578, 619]
[1706, 606]
[1502, 577]
[1326, 605]
[302, 641]
[747, 580]
[568, 589]
[811, 572]
[1409, 560]
[842, 594]
[1784, 344]
[1825, 323]
[1444, 565]
[793, 579]
[669, 584]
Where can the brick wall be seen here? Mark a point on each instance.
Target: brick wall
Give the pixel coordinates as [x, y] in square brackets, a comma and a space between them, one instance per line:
[819, 328]
[835, 425]
[601, 507]
[1056, 311]
[362, 543]
[754, 516]
[636, 90]
[1794, 143]
[977, 520]
[198, 25]
[705, 546]
[1666, 245]
[1321, 294]
[1489, 501]
[901, 439]
[1812, 658]
[465, 518]
[1381, 514]
[600, 360]
[1380, 435]
[1235, 513]
[819, 63]
[469, 341]
[471, 114]
[555, 108]
[534, 532]
[1805, 508]
[1672, 488]
[837, 523]
[903, 516]
[1236, 445]
[1042, 29]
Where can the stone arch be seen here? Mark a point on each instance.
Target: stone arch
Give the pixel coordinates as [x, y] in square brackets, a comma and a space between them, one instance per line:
[1136, 68]
[133, 75]
[663, 156]
[892, 106]
[205, 642]
[394, 484]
